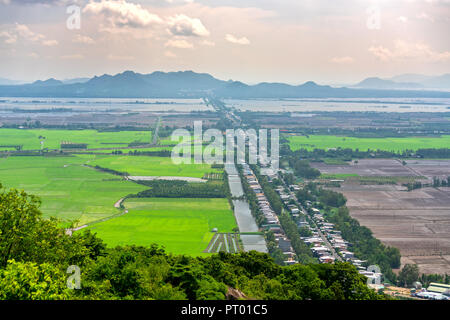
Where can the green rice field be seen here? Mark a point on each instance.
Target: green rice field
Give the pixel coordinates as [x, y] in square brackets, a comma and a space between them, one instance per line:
[182, 226]
[388, 144]
[151, 166]
[29, 138]
[68, 190]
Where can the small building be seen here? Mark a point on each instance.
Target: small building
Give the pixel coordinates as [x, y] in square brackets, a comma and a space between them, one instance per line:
[439, 288]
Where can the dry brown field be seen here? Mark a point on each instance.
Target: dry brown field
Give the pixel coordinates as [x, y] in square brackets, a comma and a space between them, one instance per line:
[416, 222]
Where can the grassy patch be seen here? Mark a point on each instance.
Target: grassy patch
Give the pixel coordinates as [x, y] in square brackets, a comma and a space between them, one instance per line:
[29, 138]
[68, 189]
[183, 226]
[388, 144]
[152, 166]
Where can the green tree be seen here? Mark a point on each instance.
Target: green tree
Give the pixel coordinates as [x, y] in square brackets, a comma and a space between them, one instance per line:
[30, 281]
[408, 275]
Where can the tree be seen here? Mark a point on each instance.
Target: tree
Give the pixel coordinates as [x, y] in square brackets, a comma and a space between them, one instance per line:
[30, 281]
[408, 275]
[19, 222]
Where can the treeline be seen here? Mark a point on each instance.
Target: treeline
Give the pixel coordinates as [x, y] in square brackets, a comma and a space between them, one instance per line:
[303, 252]
[108, 170]
[332, 198]
[159, 153]
[302, 168]
[35, 254]
[182, 189]
[365, 245]
[347, 154]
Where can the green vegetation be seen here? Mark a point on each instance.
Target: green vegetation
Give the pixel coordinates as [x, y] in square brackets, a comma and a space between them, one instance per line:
[312, 142]
[30, 138]
[181, 225]
[35, 253]
[183, 189]
[152, 166]
[69, 190]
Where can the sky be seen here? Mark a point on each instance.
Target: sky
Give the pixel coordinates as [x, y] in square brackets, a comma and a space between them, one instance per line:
[292, 41]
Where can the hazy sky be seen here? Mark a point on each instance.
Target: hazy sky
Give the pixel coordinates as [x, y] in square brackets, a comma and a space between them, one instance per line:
[328, 41]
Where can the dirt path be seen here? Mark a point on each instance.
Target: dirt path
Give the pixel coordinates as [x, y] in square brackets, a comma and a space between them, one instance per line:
[70, 231]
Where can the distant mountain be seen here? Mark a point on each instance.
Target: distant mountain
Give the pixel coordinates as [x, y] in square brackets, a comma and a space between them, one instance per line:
[407, 81]
[377, 83]
[49, 82]
[440, 82]
[410, 77]
[189, 84]
[75, 80]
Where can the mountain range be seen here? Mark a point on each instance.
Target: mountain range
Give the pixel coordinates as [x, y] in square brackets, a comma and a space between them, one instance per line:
[407, 81]
[189, 84]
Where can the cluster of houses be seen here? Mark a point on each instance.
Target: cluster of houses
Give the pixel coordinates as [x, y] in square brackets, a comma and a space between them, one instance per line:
[334, 237]
[272, 221]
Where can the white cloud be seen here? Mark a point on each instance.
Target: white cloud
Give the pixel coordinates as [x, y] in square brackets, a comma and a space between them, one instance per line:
[342, 60]
[83, 39]
[122, 13]
[9, 37]
[22, 31]
[406, 50]
[181, 44]
[25, 32]
[182, 25]
[402, 19]
[231, 38]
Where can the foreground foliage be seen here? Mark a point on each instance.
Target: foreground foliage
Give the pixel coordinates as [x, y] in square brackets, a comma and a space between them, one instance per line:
[35, 254]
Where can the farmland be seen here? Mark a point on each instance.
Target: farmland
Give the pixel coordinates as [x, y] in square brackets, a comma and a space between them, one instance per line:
[181, 225]
[416, 222]
[151, 166]
[68, 190]
[30, 140]
[312, 142]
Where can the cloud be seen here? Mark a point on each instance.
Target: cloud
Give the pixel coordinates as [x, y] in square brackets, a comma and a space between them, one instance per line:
[342, 60]
[121, 13]
[9, 37]
[177, 43]
[22, 31]
[25, 32]
[235, 40]
[406, 50]
[402, 19]
[182, 25]
[83, 39]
